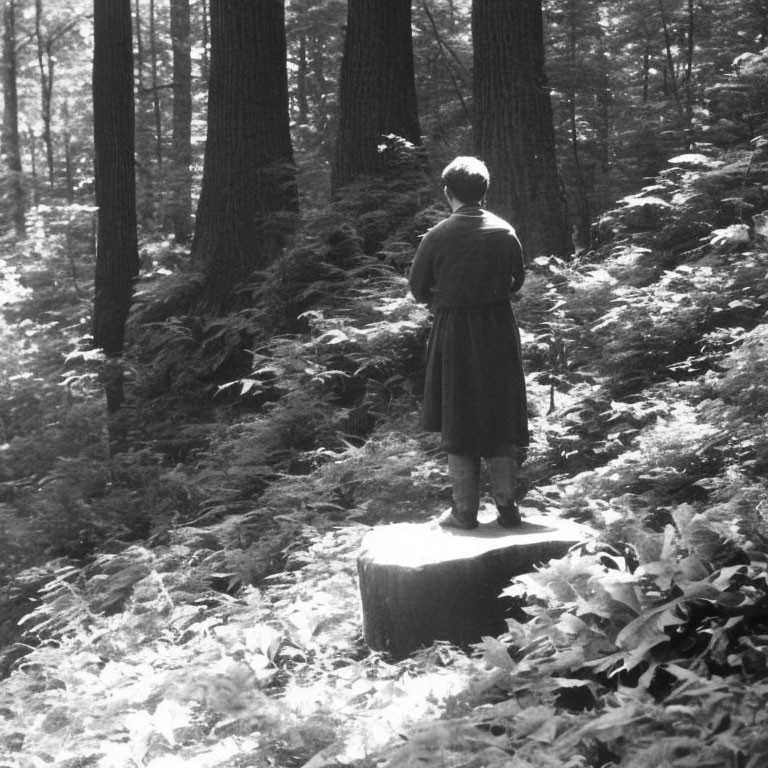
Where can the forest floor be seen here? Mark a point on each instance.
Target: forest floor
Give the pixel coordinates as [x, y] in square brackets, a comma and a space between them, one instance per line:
[226, 630]
[146, 666]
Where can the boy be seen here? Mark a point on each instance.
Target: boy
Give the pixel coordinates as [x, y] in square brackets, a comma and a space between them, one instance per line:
[465, 269]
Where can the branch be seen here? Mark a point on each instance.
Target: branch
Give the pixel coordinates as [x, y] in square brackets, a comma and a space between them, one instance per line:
[442, 47]
[68, 27]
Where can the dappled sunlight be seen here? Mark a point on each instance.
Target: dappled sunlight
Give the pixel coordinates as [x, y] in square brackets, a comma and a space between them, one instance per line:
[11, 288]
[180, 575]
[372, 704]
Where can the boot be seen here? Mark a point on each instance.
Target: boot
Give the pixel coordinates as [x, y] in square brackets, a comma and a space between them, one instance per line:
[453, 518]
[509, 516]
[464, 472]
[504, 484]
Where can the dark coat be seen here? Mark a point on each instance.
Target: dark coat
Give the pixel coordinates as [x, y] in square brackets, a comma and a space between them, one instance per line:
[474, 395]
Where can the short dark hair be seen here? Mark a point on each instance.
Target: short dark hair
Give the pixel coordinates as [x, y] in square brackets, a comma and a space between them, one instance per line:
[467, 179]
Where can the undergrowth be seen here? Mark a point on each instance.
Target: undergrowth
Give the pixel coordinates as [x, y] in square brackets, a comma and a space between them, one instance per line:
[193, 600]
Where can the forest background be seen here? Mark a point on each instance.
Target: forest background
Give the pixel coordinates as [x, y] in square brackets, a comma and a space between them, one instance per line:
[184, 483]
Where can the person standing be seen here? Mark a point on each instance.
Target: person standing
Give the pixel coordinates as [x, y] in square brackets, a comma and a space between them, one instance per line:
[465, 269]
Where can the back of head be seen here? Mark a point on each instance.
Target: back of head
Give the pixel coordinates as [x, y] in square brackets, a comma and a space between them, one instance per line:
[466, 178]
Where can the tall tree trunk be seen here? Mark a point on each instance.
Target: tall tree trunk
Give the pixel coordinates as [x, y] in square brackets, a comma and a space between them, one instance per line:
[144, 144]
[249, 198]
[45, 63]
[32, 143]
[139, 47]
[377, 94]
[117, 263]
[689, 51]
[605, 111]
[318, 66]
[69, 171]
[582, 224]
[646, 73]
[513, 128]
[302, 67]
[180, 175]
[69, 187]
[670, 78]
[157, 114]
[11, 141]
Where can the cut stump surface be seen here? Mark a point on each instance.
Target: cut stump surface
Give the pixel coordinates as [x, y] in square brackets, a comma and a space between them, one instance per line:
[420, 583]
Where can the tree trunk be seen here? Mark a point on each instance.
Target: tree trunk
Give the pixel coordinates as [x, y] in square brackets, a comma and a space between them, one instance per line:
[670, 78]
[32, 143]
[582, 224]
[69, 171]
[45, 62]
[11, 141]
[180, 174]
[302, 67]
[646, 72]
[143, 141]
[322, 87]
[69, 187]
[249, 198]
[605, 112]
[117, 262]
[689, 52]
[157, 114]
[420, 583]
[377, 94]
[513, 128]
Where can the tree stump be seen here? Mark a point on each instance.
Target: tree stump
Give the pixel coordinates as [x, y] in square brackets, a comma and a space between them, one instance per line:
[420, 583]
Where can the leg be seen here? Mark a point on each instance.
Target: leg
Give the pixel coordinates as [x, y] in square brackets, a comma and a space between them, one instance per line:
[464, 472]
[503, 470]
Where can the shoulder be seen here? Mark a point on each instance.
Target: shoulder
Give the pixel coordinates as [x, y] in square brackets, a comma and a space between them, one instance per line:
[440, 228]
[435, 235]
[493, 223]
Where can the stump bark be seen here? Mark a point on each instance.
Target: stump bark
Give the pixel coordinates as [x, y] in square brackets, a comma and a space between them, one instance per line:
[420, 583]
